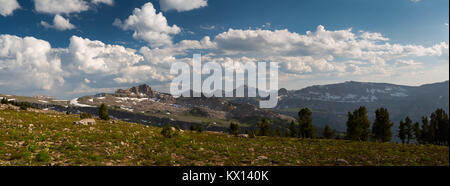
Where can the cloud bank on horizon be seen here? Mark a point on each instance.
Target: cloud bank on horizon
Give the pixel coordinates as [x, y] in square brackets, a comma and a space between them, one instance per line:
[30, 65]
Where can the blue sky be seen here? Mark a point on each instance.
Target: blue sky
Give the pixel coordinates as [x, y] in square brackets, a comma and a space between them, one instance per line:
[401, 20]
[419, 28]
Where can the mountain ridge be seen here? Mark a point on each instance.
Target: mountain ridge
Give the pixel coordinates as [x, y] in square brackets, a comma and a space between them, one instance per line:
[329, 103]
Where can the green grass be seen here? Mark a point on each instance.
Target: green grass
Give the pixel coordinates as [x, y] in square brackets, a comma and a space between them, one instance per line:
[34, 100]
[196, 119]
[29, 138]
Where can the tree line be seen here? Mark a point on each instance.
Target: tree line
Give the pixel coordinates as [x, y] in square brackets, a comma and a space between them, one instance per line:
[433, 129]
[21, 105]
[304, 128]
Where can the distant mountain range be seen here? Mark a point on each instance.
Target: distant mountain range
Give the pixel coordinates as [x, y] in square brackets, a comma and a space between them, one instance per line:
[207, 111]
[330, 103]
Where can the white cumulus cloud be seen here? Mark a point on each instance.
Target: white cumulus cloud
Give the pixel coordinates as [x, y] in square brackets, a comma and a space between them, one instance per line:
[322, 42]
[182, 5]
[149, 26]
[139, 74]
[28, 63]
[7, 7]
[66, 7]
[108, 2]
[31, 63]
[59, 23]
[60, 6]
[93, 57]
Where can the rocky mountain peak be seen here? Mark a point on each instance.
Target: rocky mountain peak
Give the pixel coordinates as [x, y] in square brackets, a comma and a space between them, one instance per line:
[283, 92]
[137, 91]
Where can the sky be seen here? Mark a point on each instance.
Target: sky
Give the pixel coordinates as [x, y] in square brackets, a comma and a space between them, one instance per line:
[68, 48]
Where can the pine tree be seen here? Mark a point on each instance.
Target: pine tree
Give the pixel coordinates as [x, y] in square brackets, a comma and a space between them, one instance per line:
[199, 129]
[405, 130]
[103, 112]
[381, 129]
[409, 130]
[338, 136]
[306, 129]
[278, 132]
[264, 127]
[417, 133]
[287, 134]
[335, 134]
[402, 131]
[234, 129]
[250, 133]
[358, 125]
[426, 134]
[292, 130]
[327, 133]
[439, 122]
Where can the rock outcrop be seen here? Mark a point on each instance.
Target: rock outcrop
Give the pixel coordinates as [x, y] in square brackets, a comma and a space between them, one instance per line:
[85, 122]
[143, 91]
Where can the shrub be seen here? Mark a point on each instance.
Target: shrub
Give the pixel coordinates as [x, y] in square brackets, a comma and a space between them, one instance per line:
[197, 128]
[5, 100]
[85, 115]
[43, 156]
[198, 112]
[177, 127]
[168, 132]
[24, 105]
[327, 132]
[250, 133]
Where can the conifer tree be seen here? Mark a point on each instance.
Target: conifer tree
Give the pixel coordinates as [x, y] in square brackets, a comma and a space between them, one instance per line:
[264, 127]
[381, 129]
[292, 130]
[417, 133]
[409, 130]
[278, 132]
[425, 134]
[287, 134]
[439, 123]
[358, 125]
[402, 131]
[103, 112]
[306, 129]
[327, 133]
[234, 129]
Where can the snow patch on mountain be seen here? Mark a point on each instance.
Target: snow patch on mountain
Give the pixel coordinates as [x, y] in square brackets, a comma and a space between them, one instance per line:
[74, 102]
[132, 99]
[399, 94]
